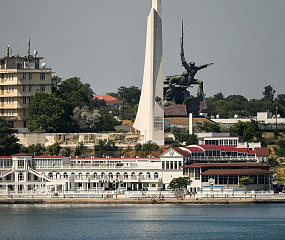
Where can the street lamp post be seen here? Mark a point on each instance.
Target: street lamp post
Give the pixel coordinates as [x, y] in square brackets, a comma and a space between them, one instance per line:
[276, 118]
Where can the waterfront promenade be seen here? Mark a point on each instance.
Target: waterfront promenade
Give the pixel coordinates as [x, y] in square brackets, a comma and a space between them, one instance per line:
[154, 200]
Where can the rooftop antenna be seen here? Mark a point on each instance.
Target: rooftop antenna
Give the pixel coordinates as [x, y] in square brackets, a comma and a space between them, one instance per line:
[29, 47]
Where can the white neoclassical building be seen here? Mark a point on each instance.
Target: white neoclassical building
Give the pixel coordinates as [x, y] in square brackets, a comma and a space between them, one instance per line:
[23, 173]
[206, 165]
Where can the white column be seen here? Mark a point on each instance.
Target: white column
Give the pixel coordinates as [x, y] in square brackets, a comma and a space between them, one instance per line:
[150, 116]
[190, 123]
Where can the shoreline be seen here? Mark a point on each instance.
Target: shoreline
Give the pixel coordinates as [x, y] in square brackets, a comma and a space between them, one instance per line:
[142, 201]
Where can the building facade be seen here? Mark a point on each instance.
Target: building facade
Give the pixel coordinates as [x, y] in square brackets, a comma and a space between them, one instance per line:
[206, 165]
[23, 173]
[266, 121]
[213, 166]
[20, 78]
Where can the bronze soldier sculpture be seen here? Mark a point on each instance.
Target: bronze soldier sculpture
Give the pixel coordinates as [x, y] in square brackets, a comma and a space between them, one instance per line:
[177, 84]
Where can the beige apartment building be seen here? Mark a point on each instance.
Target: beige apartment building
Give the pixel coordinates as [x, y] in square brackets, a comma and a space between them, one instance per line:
[20, 78]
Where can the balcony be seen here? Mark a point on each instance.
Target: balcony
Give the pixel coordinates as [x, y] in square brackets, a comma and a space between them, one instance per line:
[120, 178]
[222, 158]
[99, 167]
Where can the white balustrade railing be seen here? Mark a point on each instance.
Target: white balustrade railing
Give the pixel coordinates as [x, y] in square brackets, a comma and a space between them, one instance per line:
[121, 178]
[96, 167]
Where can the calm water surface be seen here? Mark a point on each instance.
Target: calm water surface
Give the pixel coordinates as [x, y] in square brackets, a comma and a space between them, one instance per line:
[142, 222]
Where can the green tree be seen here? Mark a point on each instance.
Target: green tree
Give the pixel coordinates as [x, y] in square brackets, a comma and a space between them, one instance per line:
[189, 139]
[130, 95]
[211, 127]
[106, 121]
[149, 146]
[86, 120]
[72, 90]
[55, 82]
[245, 181]
[218, 96]
[273, 162]
[8, 141]
[138, 147]
[105, 148]
[127, 112]
[146, 148]
[246, 130]
[179, 183]
[237, 104]
[280, 150]
[268, 93]
[66, 151]
[98, 103]
[280, 99]
[115, 95]
[48, 112]
[55, 149]
[80, 150]
[34, 149]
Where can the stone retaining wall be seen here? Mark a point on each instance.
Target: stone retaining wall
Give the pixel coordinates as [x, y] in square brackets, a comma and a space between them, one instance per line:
[71, 139]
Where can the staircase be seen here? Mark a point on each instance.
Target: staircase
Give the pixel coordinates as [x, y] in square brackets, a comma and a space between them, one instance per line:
[38, 174]
[4, 174]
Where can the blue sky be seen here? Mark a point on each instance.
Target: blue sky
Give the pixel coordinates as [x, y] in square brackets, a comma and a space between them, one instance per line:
[103, 42]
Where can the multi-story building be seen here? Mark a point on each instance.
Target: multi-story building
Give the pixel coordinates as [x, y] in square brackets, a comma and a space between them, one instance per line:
[20, 78]
[206, 165]
[210, 166]
[266, 121]
[24, 174]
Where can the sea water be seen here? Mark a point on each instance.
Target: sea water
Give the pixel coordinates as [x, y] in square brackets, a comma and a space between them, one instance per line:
[142, 221]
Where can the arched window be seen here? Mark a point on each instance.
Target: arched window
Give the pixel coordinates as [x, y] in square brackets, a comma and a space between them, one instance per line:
[133, 174]
[155, 175]
[117, 175]
[95, 175]
[57, 175]
[126, 176]
[50, 175]
[80, 175]
[65, 175]
[148, 175]
[88, 175]
[111, 176]
[102, 175]
[141, 175]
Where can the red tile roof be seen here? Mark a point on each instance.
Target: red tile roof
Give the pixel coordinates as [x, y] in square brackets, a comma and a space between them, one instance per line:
[242, 150]
[105, 97]
[262, 152]
[202, 148]
[175, 110]
[210, 147]
[228, 148]
[182, 152]
[48, 157]
[22, 154]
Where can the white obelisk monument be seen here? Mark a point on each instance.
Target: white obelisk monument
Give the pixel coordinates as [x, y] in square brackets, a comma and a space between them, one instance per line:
[150, 116]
